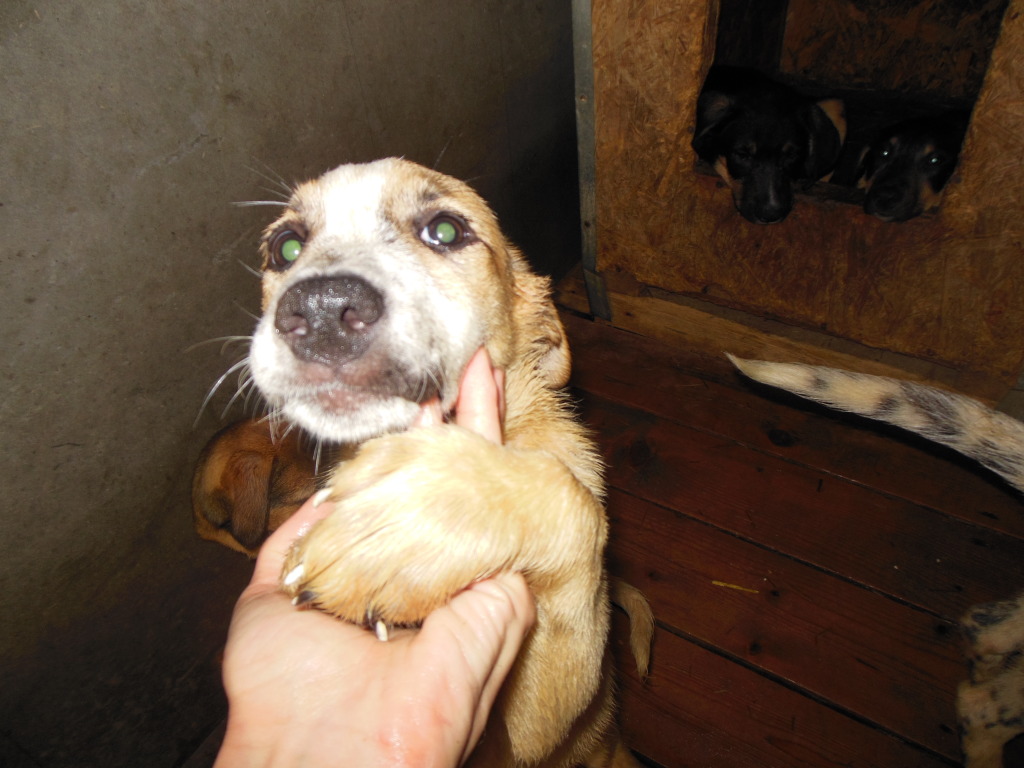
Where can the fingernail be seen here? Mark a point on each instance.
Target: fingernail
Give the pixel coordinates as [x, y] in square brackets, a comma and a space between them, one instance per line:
[294, 575]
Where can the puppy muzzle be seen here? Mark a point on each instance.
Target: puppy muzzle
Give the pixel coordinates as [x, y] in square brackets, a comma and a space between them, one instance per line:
[893, 196]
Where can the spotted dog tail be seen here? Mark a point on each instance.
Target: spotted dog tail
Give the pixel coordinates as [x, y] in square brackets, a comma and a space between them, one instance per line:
[989, 437]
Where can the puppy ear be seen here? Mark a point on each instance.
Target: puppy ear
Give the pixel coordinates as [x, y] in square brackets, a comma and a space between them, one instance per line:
[825, 122]
[554, 362]
[231, 497]
[247, 482]
[542, 338]
[864, 172]
[714, 111]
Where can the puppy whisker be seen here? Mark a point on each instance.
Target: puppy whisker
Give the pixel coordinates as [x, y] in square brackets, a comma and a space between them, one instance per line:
[320, 453]
[289, 427]
[247, 313]
[255, 203]
[249, 395]
[241, 364]
[271, 176]
[251, 270]
[317, 455]
[441, 154]
[225, 340]
[435, 380]
[429, 380]
[274, 417]
[245, 385]
[272, 192]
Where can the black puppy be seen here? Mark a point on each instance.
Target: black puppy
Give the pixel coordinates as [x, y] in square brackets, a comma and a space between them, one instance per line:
[906, 167]
[762, 137]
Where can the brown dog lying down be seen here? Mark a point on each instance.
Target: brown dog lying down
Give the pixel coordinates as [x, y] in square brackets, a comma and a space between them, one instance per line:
[248, 481]
[380, 281]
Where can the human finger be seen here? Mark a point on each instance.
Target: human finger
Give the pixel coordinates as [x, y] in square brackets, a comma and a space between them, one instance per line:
[505, 605]
[272, 554]
[487, 624]
[480, 405]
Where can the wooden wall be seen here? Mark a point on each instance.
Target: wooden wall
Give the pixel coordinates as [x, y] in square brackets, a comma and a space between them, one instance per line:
[806, 570]
[943, 288]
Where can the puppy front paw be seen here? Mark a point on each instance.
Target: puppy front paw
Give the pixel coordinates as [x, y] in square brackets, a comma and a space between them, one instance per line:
[415, 522]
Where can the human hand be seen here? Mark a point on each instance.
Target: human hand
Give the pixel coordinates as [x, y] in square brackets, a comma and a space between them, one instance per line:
[481, 403]
[305, 688]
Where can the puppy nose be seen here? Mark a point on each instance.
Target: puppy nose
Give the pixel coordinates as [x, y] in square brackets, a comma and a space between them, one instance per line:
[889, 195]
[329, 320]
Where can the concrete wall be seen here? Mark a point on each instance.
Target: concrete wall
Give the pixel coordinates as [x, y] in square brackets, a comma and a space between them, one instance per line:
[127, 129]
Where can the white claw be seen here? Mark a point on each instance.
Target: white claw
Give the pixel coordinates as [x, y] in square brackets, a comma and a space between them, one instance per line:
[321, 496]
[293, 576]
[382, 631]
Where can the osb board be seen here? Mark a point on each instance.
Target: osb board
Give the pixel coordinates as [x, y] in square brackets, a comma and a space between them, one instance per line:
[703, 333]
[946, 288]
[937, 47]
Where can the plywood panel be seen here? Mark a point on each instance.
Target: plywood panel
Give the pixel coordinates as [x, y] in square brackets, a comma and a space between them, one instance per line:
[944, 288]
[936, 47]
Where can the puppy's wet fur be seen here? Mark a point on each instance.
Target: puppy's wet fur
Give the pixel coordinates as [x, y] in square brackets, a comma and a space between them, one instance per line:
[380, 281]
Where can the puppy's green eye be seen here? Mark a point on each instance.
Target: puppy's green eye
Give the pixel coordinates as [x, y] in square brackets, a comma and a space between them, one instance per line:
[445, 232]
[291, 248]
[284, 248]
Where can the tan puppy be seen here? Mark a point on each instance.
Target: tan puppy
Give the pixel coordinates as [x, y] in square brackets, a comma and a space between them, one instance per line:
[380, 281]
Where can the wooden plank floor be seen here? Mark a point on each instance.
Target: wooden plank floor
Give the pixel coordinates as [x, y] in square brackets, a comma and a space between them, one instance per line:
[806, 569]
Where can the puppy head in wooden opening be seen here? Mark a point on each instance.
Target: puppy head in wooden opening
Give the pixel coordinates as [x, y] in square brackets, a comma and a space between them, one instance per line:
[762, 137]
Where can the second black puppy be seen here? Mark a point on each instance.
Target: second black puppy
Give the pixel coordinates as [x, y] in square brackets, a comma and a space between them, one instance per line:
[905, 169]
[762, 137]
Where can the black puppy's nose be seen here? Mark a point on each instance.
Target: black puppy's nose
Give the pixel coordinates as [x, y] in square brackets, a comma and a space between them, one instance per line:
[329, 320]
[891, 198]
[772, 214]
